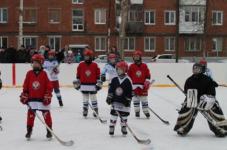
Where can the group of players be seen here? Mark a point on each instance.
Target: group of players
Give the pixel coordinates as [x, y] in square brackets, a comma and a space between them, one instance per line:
[126, 84]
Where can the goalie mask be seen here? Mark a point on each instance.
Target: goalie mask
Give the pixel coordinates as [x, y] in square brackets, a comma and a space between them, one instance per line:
[197, 68]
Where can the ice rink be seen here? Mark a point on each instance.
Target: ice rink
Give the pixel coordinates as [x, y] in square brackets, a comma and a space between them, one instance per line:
[90, 134]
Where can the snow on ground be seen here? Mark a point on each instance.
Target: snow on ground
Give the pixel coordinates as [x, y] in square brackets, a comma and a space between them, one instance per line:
[88, 134]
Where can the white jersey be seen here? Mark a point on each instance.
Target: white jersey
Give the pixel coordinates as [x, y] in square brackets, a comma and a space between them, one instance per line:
[51, 67]
[109, 71]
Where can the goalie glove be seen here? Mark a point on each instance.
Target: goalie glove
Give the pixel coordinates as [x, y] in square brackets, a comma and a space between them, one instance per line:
[24, 98]
[206, 102]
[76, 84]
[47, 99]
[99, 85]
[103, 77]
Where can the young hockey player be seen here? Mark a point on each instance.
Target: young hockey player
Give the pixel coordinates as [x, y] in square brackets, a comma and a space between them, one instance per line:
[51, 66]
[37, 90]
[88, 81]
[119, 97]
[140, 76]
[206, 70]
[109, 70]
[200, 91]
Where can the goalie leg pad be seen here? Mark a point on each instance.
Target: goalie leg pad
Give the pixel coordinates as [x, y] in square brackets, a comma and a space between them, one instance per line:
[185, 120]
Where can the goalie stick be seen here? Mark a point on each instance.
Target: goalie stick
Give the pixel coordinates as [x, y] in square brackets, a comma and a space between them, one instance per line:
[215, 123]
[140, 141]
[64, 143]
[97, 115]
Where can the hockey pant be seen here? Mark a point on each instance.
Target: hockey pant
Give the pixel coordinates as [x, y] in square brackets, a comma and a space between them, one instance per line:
[46, 116]
[114, 116]
[187, 117]
[93, 99]
[143, 100]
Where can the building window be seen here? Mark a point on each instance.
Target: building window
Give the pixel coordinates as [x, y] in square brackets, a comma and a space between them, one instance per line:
[30, 15]
[149, 17]
[55, 42]
[129, 43]
[170, 17]
[100, 16]
[3, 42]
[150, 43]
[54, 15]
[100, 43]
[193, 44]
[217, 18]
[3, 15]
[170, 44]
[135, 16]
[78, 20]
[193, 14]
[77, 1]
[30, 42]
[217, 44]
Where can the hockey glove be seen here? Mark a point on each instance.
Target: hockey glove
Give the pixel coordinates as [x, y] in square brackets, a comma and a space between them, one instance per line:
[206, 102]
[127, 102]
[56, 70]
[47, 99]
[103, 77]
[146, 85]
[109, 99]
[99, 85]
[24, 98]
[76, 84]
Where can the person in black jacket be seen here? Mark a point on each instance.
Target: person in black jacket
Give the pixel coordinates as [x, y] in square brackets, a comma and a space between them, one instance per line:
[22, 55]
[120, 96]
[200, 97]
[10, 55]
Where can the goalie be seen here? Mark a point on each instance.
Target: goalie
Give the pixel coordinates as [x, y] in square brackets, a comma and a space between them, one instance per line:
[200, 92]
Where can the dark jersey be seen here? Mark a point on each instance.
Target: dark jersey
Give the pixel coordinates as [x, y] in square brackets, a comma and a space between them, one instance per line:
[120, 89]
[202, 83]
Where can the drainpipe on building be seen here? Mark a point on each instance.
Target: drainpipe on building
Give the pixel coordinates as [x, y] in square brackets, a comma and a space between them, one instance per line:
[20, 34]
[109, 28]
[205, 29]
[177, 30]
[124, 4]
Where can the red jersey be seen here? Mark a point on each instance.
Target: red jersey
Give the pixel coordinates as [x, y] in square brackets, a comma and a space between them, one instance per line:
[37, 85]
[88, 73]
[139, 74]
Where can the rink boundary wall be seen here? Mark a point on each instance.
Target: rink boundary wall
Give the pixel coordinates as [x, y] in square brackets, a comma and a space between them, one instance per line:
[13, 74]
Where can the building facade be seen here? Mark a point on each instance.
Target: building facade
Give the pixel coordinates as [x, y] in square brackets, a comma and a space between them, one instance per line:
[192, 27]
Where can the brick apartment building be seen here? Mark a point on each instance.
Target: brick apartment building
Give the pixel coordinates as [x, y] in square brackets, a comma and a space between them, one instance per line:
[152, 25]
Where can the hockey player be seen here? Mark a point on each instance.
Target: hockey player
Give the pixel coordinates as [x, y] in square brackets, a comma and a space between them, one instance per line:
[51, 66]
[119, 97]
[109, 69]
[200, 91]
[140, 76]
[206, 70]
[37, 90]
[88, 81]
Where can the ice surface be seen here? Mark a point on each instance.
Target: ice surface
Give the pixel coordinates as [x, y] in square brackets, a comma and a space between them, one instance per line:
[90, 134]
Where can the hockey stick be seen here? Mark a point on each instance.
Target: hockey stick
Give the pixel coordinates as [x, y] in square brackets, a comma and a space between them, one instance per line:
[140, 141]
[64, 143]
[164, 121]
[97, 115]
[204, 113]
[222, 85]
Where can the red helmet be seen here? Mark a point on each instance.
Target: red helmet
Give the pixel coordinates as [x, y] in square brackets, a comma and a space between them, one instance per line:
[137, 53]
[51, 53]
[203, 61]
[39, 58]
[88, 52]
[112, 56]
[122, 65]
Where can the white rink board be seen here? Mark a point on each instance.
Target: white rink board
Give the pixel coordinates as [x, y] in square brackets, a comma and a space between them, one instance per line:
[180, 72]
